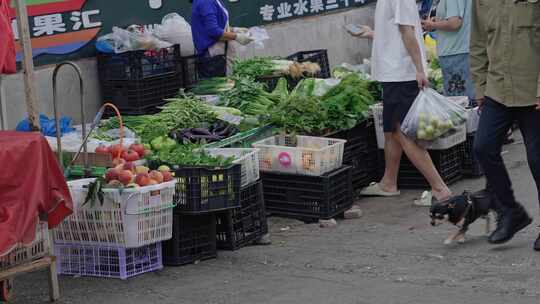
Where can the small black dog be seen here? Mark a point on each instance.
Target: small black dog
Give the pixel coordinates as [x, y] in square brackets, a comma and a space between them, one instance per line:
[463, 210]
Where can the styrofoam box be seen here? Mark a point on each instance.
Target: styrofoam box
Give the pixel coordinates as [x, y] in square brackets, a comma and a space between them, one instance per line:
[455, 138]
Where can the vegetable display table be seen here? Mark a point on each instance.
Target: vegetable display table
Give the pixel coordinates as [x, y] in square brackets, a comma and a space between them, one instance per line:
[32, 186]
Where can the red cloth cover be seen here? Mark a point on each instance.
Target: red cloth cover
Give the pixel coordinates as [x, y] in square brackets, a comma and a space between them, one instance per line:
[7, 41]
[31, 183]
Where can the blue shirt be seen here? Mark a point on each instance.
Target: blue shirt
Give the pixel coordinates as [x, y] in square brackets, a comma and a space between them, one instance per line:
[208, 21]
[454, 43]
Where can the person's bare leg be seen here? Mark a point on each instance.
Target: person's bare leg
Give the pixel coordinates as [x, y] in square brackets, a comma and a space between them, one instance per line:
[392, 158]
[422, 161]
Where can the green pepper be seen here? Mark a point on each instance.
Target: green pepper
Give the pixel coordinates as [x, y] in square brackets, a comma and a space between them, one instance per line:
[157, 143]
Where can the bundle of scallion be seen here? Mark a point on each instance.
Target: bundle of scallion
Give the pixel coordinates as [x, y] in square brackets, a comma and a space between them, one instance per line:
[249, 97]
[260, 67]
[212, 86]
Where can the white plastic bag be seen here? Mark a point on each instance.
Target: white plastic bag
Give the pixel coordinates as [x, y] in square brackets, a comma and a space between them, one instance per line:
[175, 29]
[259, 36]
[431, 116]
[132, 39]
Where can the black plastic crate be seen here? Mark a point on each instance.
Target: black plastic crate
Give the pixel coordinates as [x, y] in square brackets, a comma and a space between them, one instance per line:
[471, 166]
[190, 68]
[137, 97]
[193, 240]
[137, 65]
[316, 56]
[447, 162]
[207, 189]
[360, 152]
[308, 198]
[243, 226]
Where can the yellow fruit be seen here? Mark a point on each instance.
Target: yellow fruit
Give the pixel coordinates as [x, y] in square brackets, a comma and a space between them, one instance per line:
[141, 169]
[164, 168]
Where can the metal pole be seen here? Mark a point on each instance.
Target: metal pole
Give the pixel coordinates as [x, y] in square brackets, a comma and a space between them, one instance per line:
[57, 112]
[27, 64]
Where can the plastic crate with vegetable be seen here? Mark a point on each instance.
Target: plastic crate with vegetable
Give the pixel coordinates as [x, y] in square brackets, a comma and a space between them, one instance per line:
[304, 155]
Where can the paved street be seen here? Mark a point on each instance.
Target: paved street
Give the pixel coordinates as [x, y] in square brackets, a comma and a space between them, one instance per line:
[390, 255]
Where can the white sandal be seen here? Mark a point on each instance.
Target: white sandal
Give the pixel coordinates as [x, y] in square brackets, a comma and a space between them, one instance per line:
[375, 190]
[426, 200]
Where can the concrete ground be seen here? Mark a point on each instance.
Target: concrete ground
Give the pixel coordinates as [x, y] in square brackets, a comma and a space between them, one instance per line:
[390, 255]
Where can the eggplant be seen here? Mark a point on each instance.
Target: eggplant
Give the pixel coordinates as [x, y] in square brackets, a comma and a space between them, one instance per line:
[201, 131]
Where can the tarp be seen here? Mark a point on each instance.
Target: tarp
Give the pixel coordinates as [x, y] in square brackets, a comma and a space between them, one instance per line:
[7, 51]
[32, 183]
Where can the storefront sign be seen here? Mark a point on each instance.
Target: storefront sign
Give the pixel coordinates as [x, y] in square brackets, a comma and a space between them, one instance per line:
[66, 29]
[272, 11]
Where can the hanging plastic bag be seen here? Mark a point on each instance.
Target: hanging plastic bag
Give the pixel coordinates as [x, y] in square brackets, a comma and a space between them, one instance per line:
[175, 29]
[432, 116]
[259, 36]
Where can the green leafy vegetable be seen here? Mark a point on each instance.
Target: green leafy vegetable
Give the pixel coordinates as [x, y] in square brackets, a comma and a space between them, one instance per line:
[249, 96]
[213, 86]
[189, 155]
[185, 111]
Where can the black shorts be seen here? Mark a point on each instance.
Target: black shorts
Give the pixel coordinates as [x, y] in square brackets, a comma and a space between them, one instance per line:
[398, 98]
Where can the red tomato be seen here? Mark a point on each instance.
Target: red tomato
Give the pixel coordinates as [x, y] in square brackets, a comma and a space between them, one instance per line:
[139, 148]
[130, 155]
[101, 149]
[116, 150]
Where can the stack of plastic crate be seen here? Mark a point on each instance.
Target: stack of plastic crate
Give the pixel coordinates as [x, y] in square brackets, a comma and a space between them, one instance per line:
[137, 82]
[212, 208]
[360, 152]
[304, 177]
[117, 237]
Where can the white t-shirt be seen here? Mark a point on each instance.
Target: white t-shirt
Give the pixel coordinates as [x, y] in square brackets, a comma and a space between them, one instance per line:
[390, 60]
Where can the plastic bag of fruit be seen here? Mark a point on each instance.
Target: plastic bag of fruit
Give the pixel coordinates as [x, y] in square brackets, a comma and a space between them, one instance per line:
[432, 116]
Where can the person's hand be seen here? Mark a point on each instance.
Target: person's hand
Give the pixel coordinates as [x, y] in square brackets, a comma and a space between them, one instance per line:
[243, 38]
[366, 32]
[422, 80]
[538, 103]
[480, 103]
[239, 30]
[429, 24]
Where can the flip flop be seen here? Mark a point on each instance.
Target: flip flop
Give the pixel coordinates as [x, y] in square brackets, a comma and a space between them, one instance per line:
[375, 190]
[426, 200]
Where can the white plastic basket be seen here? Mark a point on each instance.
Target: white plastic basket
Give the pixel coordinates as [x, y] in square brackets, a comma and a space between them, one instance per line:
[450, 140]
[128, 218]
[443, 143]
[304, 155]
[247, 158]
[23, 254]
